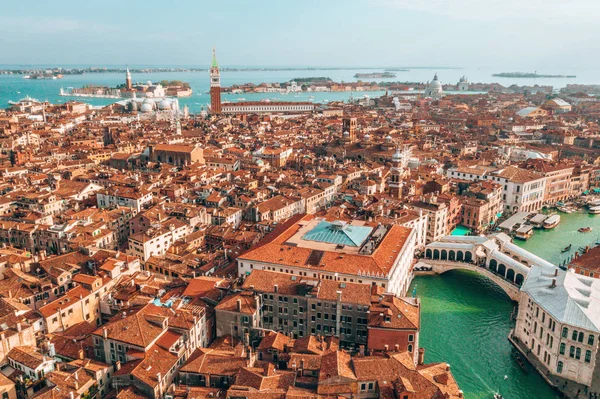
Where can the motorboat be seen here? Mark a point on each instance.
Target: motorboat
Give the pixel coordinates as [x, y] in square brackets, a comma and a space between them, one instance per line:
[585, 230]
[498, 396]
[594, 209]
[552, 222]
[567, 248]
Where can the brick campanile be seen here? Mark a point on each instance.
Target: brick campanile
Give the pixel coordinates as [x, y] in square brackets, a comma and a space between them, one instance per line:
[215, 85]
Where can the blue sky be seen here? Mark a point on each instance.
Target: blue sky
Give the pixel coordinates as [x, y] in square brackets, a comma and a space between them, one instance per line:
[475, 33]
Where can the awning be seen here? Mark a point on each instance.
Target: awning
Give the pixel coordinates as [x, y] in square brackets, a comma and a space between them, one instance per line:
[597, 190]
[586, 192]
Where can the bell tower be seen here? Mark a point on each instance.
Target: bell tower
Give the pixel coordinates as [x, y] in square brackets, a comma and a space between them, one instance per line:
[128, 79]
[215, 85]
[396, 173]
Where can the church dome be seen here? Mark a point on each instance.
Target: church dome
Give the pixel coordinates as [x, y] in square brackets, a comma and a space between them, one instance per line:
[367, 137]
[146, 107]
[397, 157]
[435, 83]
[346, 134]
[388, 139]
[164, 105]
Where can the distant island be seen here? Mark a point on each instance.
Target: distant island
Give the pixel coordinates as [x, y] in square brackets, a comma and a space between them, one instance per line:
[397, 70]
[529, 75]
[379, 75]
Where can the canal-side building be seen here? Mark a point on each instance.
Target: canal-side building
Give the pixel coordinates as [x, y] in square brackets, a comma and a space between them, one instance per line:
[356, 252]
[558, 324]
[523, 190]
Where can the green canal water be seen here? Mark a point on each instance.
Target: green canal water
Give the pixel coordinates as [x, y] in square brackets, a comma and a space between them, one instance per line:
[465, 319]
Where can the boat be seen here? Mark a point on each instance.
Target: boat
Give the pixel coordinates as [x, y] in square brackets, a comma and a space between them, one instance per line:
[552, 222]
[498, 396]
[565, 209]
[567, 248]
[593, 203]
[521, 363]
[524, 232]
[594, 209]
[585, 230]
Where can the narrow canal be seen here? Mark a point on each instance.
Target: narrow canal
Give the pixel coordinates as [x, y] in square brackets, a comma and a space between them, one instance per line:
[465, 319]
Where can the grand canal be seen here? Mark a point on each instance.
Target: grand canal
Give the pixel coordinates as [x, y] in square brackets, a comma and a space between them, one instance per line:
[465, 319]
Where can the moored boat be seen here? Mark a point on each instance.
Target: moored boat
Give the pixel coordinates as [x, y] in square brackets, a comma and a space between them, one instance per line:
[567, 248]
[594, 209]
[524, 232]
[585, 230]
[552, 222]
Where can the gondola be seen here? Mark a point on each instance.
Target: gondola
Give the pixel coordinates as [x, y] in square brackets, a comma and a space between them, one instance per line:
[521, 363]
[567, 248]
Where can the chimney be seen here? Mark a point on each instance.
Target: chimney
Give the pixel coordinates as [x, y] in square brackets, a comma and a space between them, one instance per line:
[553, 285]
[76, 376]
[81, 354]
[239, 305]
[104, 333]
[275, 288]
[118, 365]
[556, 272]
[76, 384]
[361, 350]
[447, 367]
[301, 364]
[461, 394]
[19, 326]
[386, 347]
[339, 296]
[421, 357]
[397, 348]
[71, 395]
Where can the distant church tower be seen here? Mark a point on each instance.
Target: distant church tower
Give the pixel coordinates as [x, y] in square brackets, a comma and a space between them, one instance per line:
[215, 86]
[128, 79]
[349, 127]
[396, 173]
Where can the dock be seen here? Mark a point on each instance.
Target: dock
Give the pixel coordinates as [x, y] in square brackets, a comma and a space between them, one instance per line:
[511, 223]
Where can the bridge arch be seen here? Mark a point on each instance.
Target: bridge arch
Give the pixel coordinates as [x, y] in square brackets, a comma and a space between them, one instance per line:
[451, 255]
[502, 269]
[510, 288]
[468, 256]
[493, 265]
[510, 275]
[519, 279]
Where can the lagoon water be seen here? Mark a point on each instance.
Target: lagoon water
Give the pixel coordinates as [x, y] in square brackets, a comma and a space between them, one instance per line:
[14, 87]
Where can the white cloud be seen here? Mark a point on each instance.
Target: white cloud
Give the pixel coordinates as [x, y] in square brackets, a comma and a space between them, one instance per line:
[555, 10]
[47, 26]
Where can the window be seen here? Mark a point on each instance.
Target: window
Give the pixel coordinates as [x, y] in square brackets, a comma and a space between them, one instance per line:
[562, 348]
[591, 340]
[574, 335]
[411, 338]
[572, 351]
[588, 356]
[578, 354]
[410, 348]
[565, 332]
[580, 337]
[559, 368]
